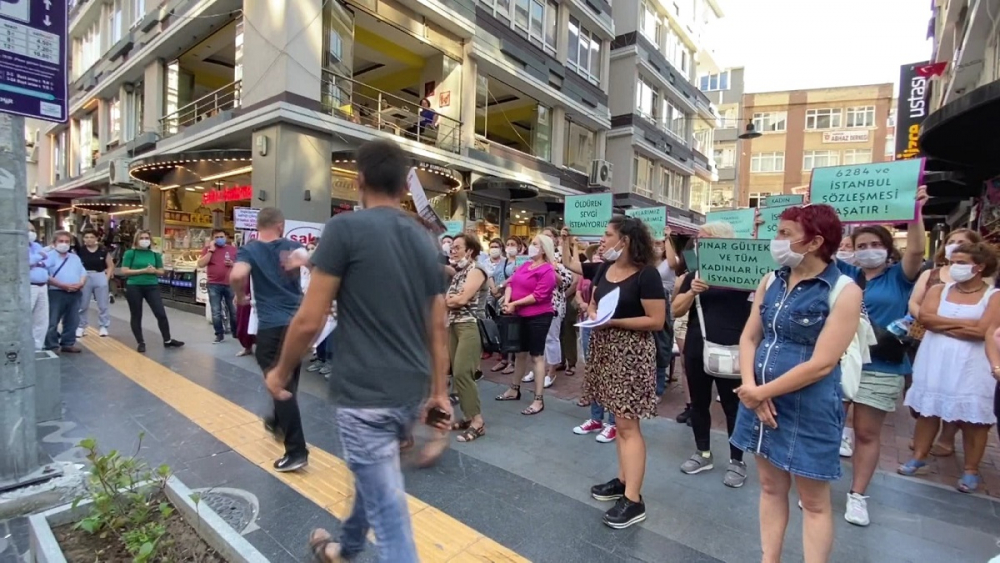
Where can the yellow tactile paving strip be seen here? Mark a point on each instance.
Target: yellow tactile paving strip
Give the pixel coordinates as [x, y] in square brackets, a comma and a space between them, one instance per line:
[326, 481]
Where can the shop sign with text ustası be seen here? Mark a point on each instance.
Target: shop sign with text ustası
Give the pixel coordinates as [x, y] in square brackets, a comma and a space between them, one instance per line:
[743, 221]
[911, 109]
[654, 217]
[303, 232]
[769, 216]
[880, 192]
[237, 193]
[734, 263]
[588, 215]
[860, 136]
[245, 218]
[783, 200]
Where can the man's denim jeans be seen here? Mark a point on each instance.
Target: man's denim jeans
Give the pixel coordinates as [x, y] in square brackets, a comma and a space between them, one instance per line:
[370, 438]
[222, 296]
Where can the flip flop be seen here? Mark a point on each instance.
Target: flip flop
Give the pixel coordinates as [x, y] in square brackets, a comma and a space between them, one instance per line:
[319, 540]
[500, 366]
[937, 450]
[968, 483]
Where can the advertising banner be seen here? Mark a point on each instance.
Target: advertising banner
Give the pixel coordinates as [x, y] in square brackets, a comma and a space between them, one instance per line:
[911, 109]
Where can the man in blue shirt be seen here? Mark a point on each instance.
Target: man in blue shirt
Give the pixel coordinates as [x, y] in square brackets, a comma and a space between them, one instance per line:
[66, 278]
[39, 277]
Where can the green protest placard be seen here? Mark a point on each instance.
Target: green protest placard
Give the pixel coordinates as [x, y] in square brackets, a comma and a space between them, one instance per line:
[734, 263]
[742, 220]
[588, 215]
[654, 217]
[690, 260]
[869, 193]
[453, 228]
[769, 215]
[521, 260]
[783, 200]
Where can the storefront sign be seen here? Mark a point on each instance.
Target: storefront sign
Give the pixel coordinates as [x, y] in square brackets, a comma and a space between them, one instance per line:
[303, 232]
[911, 109]
[734, 263]
[588, 215]
[238, 193]
[201, 279]
[768, 229]
[194, 219]
[880, 192]
[245, 218]
[453, 228]
[846, 136]
[654, 217]
[743, 221]
[782, 200]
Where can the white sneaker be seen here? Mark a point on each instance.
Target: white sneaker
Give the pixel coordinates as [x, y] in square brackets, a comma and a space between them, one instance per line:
[529, 378]
[548, 382]
[103, 331]
[79, 333]
[857, 509]
[847, 443]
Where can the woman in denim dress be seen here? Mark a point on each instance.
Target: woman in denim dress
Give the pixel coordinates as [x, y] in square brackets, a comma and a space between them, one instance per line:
[790, 414]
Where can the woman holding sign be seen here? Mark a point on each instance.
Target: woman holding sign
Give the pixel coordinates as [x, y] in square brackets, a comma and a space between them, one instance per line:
[887, 287]
[803, 319]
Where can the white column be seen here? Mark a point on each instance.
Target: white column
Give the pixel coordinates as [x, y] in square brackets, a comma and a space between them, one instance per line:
[558, 136]
[152, 96]
[282, 49]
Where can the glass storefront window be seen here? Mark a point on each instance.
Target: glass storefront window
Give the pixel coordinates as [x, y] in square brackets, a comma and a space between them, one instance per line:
[580, 147]
[338, 60]
[543, 133]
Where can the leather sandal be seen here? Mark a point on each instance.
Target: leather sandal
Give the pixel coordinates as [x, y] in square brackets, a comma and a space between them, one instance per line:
[319, 540]
[530, 411]
[472, 433]
[505, 397]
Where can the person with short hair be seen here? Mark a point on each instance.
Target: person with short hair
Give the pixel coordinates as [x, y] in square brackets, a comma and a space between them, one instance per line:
[141, 267]
[66, 278]
[100, 269]
[39, 284]
[466, 302]
[218, 258]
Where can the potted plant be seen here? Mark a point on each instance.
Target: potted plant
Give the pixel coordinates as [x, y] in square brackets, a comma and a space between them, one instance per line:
[131, 512]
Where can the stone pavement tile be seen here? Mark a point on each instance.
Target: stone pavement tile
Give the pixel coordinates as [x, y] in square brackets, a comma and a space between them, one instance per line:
[271, 548]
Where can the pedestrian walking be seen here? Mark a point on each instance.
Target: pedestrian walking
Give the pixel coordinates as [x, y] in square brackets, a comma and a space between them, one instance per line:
[271, 263]
[39, 289]
[100, 269]
[218, 258]
[66, 279]
[382, 267]
[142, 268]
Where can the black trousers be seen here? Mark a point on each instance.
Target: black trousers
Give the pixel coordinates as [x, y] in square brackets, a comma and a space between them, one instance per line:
[135, 295]
[286, 415]
[700, 386]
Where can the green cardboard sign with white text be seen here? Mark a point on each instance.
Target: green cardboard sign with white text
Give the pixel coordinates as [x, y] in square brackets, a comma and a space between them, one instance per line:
[743, 221]
[453, 228]
[734, 263]
[869, 193]
[654, 217]
[783, 200]
[588, 215]
[768, 229]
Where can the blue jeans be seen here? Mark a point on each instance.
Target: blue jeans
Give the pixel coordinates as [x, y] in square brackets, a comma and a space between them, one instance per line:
[585, 341]
[219, 294]
[370, 438]
[661, 381]
[64, 307]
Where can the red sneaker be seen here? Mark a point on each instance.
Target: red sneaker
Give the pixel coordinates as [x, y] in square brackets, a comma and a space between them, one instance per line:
[608, 434]
[587, 427]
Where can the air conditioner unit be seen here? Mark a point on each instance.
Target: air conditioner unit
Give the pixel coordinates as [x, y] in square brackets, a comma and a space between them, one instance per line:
[118, 172]
[600, 173]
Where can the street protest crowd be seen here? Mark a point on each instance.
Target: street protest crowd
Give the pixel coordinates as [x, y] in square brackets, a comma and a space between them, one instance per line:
[828, 326]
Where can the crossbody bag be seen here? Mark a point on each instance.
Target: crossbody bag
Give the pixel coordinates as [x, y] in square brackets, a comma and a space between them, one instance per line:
[719, 360]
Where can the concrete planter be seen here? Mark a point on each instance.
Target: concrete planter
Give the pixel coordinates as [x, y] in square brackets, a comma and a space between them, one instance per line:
[48, 386]
[213, 529]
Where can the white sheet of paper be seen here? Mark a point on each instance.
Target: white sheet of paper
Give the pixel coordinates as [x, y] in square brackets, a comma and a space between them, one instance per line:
[605, 310]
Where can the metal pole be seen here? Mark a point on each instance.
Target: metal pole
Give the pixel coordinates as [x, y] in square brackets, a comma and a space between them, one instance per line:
[18, 445]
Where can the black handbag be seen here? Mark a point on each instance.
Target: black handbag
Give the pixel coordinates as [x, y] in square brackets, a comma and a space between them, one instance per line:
[888, 348]
[489, 335]
[509, 327]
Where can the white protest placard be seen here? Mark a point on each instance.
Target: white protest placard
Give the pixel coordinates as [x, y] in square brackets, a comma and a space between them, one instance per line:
[245, 218]
[422, 204]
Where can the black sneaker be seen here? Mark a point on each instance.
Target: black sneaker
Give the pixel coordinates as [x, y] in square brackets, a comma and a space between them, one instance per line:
[218, 340]
[685, 415]
[271, 425]
[288, 463]
[173, 343]
[625, 513]
[141, 348]
[612, 490]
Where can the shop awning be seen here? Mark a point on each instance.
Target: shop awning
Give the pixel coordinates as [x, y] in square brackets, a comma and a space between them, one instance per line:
[196, 166]
[504, 188]
[965, 131]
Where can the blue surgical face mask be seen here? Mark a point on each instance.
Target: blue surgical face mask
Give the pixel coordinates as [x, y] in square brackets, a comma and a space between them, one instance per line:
[220, 241]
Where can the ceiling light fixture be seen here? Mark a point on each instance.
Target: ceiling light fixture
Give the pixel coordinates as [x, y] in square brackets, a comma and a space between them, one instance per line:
[230, 174]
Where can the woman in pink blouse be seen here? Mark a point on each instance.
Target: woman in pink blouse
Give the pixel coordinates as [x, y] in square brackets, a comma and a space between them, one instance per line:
[529, 296]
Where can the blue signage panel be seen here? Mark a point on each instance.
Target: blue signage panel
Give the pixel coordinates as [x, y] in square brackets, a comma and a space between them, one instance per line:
[33, 58]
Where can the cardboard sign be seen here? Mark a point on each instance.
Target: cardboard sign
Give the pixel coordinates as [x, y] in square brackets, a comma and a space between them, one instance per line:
[303, 232]
[769, 215]
[734, 263]
[690, 260]
[743, 221]
[588, 215]
[245, 218]
[784, 200]
[453, 228]
[880, 192]
[654, 217]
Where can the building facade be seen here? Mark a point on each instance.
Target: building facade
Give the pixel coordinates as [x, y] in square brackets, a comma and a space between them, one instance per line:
[725, 89]
[807, 129]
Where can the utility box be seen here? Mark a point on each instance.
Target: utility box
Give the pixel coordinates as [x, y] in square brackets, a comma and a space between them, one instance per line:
[48, 387]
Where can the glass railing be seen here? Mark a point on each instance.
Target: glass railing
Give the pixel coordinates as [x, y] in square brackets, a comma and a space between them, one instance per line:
[209, 105]
[357, 102]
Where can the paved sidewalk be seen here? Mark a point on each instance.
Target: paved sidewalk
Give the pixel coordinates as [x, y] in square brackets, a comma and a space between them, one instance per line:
[524, 486]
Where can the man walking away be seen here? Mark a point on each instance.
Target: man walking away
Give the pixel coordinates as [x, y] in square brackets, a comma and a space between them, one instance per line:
[382, 267]
[39, 278]
[66, 279]
[277, 293]
[100, 269]
[218, 258]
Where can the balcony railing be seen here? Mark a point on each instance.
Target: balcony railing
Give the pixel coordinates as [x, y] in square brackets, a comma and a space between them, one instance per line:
[357, 102]
[211, 104]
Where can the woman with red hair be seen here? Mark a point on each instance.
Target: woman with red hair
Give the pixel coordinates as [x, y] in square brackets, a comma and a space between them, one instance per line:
[803, 319]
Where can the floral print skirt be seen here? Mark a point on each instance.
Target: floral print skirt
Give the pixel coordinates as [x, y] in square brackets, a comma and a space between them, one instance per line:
[621, 372]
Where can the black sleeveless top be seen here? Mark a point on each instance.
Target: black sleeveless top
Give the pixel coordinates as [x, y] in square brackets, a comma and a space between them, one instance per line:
[95, 261]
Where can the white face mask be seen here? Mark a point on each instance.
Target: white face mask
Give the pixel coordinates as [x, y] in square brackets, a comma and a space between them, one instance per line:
[144, 243]
[446, 247]
[494, 253]
[611, 254]
[871, 257]
[32, 236]
[461, 264]
[511, 251]
[949, 249]
[781, 251]
[62, 248]
[846, 256]
[533, 251]
[961, 272]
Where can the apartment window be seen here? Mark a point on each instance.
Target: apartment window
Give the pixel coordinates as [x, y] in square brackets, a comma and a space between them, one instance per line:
[584, 55]
[890, 147]
[673, 187]
[59, 156]
[703, 139]
[551, 21]
[819, 159]
[642, 171]
[673, 119]
[580, 145]
[535, 19]
[725, 158]
[649, 23]
[769, 122]
[646, 100]
[857, 156]
[138, 10]
[85, 144]
[823, 118]
[114, 121]
[767, 162]
[890, 122]
[729, 118]
[713, 82]
[757, 198]
[131, 110]
[861, 117]
[115, 18]
[503, 9]
[521, 15]
[87, 50]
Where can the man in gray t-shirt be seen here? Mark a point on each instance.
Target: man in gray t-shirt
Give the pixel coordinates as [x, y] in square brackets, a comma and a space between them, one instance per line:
[390, 347]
